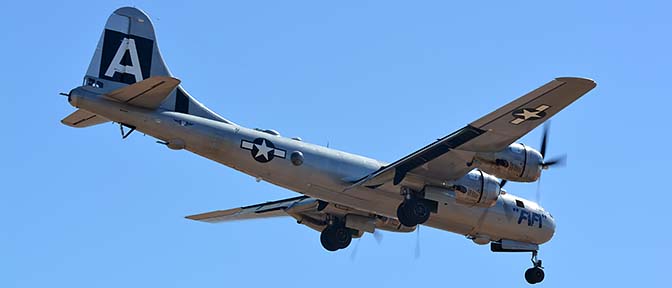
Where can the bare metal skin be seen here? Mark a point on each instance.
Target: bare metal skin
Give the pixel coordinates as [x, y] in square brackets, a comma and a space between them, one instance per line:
[452, 184]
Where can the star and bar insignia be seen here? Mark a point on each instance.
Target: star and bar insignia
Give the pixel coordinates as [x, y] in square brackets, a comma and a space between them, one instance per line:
[262, 149]
[522, 115]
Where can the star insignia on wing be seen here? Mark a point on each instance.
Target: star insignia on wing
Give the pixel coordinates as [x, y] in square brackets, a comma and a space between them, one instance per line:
[524, 114]
[527, 114]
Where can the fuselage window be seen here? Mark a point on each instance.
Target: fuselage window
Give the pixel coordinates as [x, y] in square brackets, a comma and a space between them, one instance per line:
[93, 83]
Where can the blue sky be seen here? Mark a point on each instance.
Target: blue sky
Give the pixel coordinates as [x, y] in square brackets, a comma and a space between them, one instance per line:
[82, 208]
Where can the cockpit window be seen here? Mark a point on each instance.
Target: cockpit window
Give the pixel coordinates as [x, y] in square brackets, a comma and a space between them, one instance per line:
[520, 204]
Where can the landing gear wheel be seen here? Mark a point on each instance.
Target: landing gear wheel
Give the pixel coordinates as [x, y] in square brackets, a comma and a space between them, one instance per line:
[403, 217]
[335, 237]
[413, 212]
[326, 239]
[534, 275]
[343, 237]
[421, 212]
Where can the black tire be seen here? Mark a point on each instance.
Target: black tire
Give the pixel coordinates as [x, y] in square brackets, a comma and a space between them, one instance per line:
[420, 212]
[534, 275]
[326, 239]
[404, 218]
[413, 212]
[342, 237]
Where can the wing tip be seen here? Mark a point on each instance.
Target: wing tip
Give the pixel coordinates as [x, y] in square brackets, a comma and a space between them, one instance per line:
[198, 217]
[168, 79]
[67, 123]
[589, 83]
[205, 217]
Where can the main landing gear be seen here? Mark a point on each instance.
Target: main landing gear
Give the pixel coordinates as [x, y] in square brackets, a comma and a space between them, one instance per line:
[414, 210]
[336, 236]
[535, 274]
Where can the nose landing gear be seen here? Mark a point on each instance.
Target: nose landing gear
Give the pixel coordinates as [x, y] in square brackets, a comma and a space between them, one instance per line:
[535, 274]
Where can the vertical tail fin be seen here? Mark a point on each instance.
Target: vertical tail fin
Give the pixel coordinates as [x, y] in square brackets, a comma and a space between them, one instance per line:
[128, 53]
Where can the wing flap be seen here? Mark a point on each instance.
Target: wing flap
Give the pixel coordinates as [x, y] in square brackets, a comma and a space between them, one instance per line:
[148, 93]
[82, 118]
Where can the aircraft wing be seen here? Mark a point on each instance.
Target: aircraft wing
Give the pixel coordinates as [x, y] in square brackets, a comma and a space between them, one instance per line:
[263, 210]
[308, 211]
[447, 158]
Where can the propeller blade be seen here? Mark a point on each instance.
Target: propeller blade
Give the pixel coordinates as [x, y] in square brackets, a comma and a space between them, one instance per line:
[354, 251]
[544, 139]
[502, 183]
[378, 236]
[560, 160]
[538, 194]
[417, 242]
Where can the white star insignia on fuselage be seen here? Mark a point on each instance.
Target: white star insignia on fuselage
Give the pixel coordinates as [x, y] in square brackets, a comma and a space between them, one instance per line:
[263, 150]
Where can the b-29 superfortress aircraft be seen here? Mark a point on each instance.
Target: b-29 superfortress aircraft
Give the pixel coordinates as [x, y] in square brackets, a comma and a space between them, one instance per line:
[451, 184]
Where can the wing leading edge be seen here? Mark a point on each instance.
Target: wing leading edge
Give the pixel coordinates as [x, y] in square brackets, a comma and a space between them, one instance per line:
[447, 158]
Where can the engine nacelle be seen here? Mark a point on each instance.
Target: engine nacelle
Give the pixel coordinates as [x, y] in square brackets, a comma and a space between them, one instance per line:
[518, 163]
[474, 189]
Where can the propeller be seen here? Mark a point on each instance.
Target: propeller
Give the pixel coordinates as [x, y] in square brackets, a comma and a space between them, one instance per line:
[376, 235]
[546, 163]
[502, 183]
[417, 242]
[353, 255]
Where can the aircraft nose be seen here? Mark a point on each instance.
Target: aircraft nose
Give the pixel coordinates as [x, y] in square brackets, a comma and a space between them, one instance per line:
[549, 227]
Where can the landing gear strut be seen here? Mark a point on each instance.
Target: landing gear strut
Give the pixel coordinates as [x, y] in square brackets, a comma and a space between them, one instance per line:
[336, 236]
[414, 210]
[535, 274]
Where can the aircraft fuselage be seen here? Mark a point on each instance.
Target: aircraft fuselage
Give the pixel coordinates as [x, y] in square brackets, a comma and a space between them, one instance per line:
[323, 173]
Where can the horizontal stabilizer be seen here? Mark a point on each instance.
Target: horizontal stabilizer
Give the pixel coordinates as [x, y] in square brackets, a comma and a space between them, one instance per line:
[148, 93]
[82, 118]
